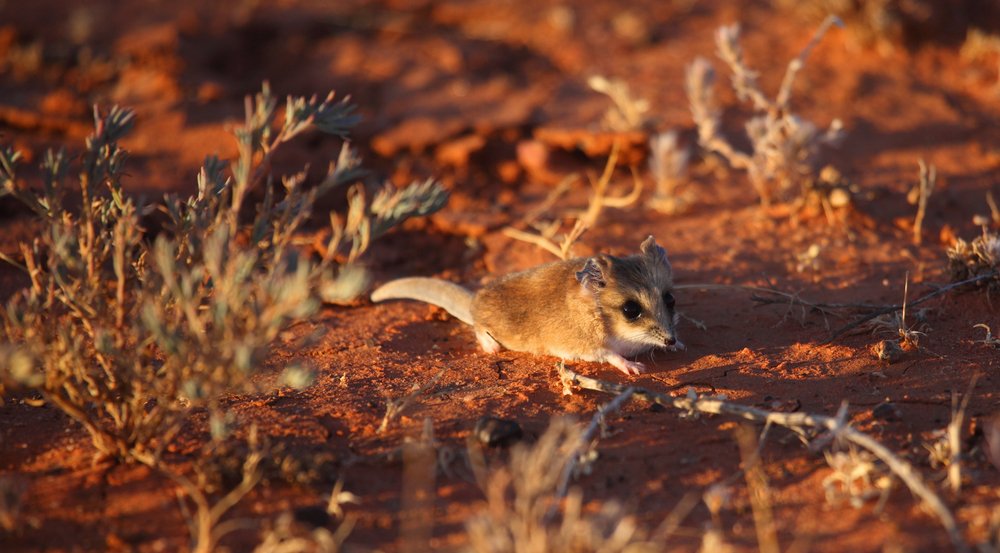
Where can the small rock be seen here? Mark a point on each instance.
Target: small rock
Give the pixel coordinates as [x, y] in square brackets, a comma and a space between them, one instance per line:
[457, 152]
[840, 198]
[495, 432]
[888, 351]
[210, 91]
[632, 27]
[509, 171]
[62, 103]
[887, 411]
[532, 155]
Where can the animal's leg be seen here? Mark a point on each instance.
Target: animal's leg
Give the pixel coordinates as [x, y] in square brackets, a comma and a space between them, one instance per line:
[630, 368]
[487, 342]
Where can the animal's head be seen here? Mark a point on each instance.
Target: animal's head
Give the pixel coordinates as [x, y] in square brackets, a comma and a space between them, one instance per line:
[635, 297]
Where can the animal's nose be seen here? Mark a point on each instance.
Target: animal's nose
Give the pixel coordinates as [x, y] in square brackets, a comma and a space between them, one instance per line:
[671, 341]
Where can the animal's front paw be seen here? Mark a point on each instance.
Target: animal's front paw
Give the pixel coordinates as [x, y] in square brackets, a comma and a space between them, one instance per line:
[677, 346]
[631, 368]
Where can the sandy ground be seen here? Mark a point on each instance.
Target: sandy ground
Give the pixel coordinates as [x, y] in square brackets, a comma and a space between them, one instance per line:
[470, 93]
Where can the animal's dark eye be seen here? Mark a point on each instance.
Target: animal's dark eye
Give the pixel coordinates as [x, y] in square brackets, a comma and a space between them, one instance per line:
[632, 310]
[668, 300]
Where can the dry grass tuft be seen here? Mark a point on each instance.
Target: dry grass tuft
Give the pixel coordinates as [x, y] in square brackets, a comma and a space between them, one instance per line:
[783, 145]
[546, 230]
[856, 477]
[520, 496]
[978, 258]
[627, 113]
[287, 535]
[668, 163]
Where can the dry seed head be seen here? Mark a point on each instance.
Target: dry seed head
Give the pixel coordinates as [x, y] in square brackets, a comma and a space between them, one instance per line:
[888, 351]
[981, 256]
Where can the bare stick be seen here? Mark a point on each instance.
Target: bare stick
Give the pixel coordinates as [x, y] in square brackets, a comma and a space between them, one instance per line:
[786, 297]
[536, 239]
[566, 247]
[589, 218]
[395, 407]
[794, 66]
[955, 436]
[622, 202]
[551, 198]
[918, 301]
[994, 210]
[760, 495]
[601, 186]
[836, 427]
[588, 436]
[928, 179]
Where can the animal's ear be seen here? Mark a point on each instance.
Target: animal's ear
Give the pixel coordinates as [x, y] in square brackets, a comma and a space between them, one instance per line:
[592, 275]
[654, 251]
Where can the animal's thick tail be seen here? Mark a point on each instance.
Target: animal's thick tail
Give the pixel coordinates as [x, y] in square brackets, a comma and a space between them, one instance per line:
[447, 295]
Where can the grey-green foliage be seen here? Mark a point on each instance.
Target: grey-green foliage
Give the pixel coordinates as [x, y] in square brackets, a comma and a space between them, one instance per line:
[127, 333]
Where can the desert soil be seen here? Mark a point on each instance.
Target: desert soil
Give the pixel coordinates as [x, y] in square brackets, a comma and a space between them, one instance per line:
[492, 99]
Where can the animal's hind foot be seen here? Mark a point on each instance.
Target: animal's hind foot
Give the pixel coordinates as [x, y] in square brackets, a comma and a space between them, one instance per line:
[487, 342]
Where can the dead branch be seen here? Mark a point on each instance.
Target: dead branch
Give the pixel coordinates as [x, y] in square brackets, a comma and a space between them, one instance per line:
[551, 198]
[782, 297]
[835, 427]
[536, 239]
[893, 308]
[588, 435]
[588, 219]
[760, 494]
[955, 436]
[924, 189]
[622, 202]
[796, 65]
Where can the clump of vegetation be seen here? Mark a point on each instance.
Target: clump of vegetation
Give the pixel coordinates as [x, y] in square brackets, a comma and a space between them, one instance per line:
[523, 512]
[128, 333]
[983, 50]
[976, 259]
[784, 146]
[871, 22]
[668, 163]
[628, 112]
[856, 477]
[586, 220]
[289, 536]
[885, 23]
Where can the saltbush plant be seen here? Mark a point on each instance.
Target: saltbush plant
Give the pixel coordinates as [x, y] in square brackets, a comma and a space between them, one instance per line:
[128, 333]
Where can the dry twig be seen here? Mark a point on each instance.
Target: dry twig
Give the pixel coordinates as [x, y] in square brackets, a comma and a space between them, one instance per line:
[588, 435]
[920, 194]
[598, 201]
[395, 407]
[955, 436]
[760, 495]
[926, 297]
[833, 428]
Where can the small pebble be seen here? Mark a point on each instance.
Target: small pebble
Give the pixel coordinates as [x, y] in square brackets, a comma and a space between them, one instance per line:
[495, 432]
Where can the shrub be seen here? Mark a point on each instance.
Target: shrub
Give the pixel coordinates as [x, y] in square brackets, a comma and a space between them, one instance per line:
[784, 146]
[128, 333]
